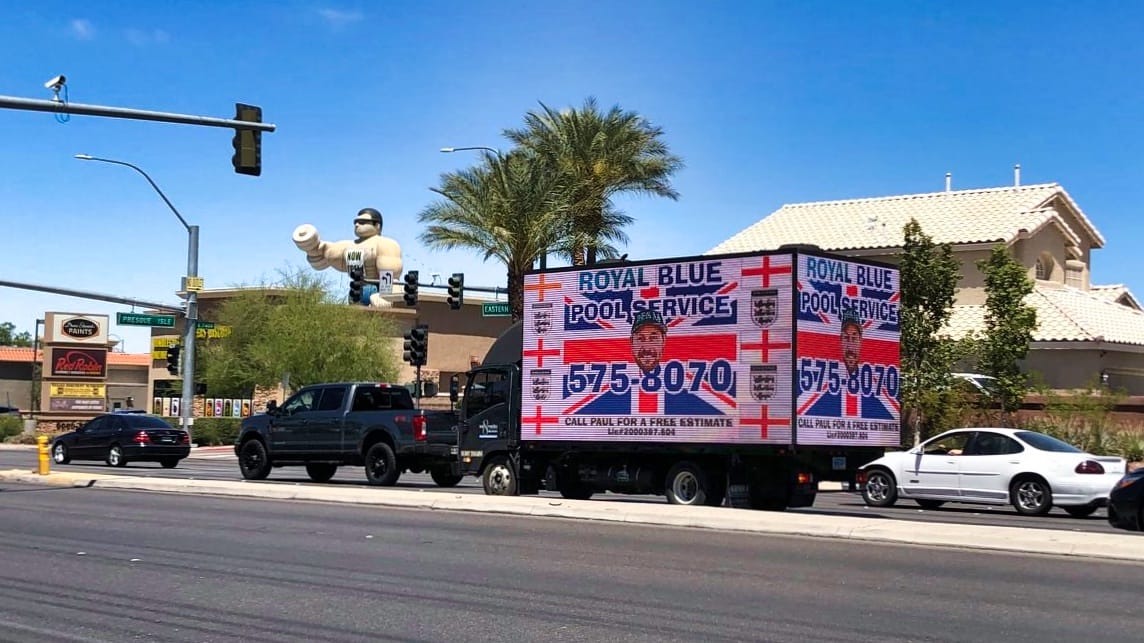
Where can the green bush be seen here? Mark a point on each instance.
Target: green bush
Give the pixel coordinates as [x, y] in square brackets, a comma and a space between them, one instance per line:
[10, 425]
[215, 431]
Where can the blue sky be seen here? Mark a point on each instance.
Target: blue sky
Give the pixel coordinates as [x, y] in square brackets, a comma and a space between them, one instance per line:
[768, 103]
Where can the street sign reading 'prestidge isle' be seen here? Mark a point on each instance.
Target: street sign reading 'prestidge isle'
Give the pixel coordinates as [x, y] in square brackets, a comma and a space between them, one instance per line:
[138, 319]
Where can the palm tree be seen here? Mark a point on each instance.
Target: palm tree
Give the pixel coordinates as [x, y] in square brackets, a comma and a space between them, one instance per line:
[599, 155]
[508, 207]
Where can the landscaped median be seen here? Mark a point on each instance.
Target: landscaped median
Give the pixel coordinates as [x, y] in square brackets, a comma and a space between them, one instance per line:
[1035, 541]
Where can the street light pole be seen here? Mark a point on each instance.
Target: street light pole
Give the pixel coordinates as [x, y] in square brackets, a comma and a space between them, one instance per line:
[191, 316]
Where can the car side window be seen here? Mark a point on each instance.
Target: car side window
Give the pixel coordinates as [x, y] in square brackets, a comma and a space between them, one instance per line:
[332, 398]
[993, 444]
[952, 444]
[303, 401]
[95, 426]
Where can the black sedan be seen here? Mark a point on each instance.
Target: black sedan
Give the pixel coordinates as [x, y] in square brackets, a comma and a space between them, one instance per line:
[119, 438]
[1126, 502]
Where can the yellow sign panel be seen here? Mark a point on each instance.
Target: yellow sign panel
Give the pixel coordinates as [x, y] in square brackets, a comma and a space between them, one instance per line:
[78, 390]
[218, 332]
[194, 284]
[159, 346]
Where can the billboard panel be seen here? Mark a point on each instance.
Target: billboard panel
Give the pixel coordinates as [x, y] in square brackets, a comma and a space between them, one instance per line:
[848, 364]
[686, 351]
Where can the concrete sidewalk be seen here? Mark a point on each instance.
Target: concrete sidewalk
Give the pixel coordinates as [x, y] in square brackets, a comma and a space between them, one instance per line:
[1127, 546]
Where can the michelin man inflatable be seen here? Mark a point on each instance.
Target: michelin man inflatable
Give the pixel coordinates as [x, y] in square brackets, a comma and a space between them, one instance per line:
[377, 258]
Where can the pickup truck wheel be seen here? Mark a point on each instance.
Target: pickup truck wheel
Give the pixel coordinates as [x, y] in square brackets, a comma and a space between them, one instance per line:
[498, 479]
[320, 471]
[381, 465]
[444, 477]
[253, 461]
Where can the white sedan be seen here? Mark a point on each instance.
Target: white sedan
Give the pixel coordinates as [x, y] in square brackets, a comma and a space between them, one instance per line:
[1030, 470]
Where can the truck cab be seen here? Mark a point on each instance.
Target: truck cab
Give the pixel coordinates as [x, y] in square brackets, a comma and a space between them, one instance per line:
[488, 427]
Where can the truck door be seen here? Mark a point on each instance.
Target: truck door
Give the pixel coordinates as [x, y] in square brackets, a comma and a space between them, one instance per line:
[486, 424]
[289, 426]
[323, 432]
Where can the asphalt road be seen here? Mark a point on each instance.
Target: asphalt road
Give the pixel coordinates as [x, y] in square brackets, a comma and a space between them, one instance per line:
[224, 467]
[92, 565]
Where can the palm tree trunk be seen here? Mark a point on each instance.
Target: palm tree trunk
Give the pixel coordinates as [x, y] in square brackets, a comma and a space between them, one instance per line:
[516, 294]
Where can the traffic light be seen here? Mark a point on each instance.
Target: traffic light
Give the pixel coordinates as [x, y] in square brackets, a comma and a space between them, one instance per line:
[173, 359]
[417, 345]
[247, 143]
[357, 282]
[411, 288]
[456, 290]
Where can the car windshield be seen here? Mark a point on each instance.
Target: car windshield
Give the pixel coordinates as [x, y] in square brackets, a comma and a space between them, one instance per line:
[988, 384]
[1043, 442]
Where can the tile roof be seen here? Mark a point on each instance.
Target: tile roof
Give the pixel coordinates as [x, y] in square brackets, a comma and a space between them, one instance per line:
[1065, 314]
[1115, 292]
[12, 354]
[960, 216]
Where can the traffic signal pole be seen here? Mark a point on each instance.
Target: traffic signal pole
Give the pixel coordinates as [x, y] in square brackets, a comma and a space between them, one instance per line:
[61, 107]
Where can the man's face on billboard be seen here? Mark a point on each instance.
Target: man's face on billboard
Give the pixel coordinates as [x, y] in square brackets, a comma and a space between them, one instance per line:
[851, 346]
[647, 347]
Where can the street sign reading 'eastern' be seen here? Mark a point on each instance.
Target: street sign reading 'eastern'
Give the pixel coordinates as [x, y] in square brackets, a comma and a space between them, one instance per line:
[495, 309]
[138, 319]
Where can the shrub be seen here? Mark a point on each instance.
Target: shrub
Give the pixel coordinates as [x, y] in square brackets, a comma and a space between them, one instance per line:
[215, 431]
[10, 425]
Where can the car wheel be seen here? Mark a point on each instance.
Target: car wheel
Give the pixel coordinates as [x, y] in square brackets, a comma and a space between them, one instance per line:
[1083, 511]
[930, 504]
[320, 471]
[498, 478]
[880, 490]
[169, 463]
[1031, 496]
[60, 453]
[686, 484]
[381, 466]
[444, 477]
[115, 456]
[253, 461]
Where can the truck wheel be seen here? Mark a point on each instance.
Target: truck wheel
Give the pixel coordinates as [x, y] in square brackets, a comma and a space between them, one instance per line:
[252, 460]
[381, 466]
[686, 484]
[499, 479]
[320, 471]
[444, 477]
[571, 488]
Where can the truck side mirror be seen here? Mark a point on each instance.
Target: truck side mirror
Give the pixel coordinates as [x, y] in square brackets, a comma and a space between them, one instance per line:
[454, 388]
[272, 407]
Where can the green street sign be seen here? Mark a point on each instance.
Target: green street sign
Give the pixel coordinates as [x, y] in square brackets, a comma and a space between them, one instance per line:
[136, 319]
[204, 325]
[495, 309]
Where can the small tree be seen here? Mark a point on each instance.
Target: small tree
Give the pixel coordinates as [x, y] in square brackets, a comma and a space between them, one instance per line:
[929, 276]
[1009, 323]
[301, 328]
[9, 336]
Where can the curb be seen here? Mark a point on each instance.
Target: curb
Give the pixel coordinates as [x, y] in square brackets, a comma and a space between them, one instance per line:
[1128, 547]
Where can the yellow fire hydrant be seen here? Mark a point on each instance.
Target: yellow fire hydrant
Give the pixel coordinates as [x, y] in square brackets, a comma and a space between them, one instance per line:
[45, 455]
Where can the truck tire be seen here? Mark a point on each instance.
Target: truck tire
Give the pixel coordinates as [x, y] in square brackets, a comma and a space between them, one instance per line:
[687, 484]
[381, 466]
[444, 477]
[499, 478]
[253, 461]
[571, 488]
[321, 471]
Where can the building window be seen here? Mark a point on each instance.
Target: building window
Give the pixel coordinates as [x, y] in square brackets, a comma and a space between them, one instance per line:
[1044, 268]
